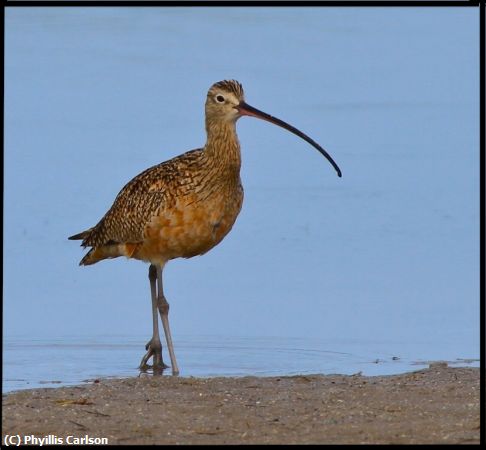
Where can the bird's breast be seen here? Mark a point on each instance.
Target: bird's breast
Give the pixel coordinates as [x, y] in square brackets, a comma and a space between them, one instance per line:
[193, 225]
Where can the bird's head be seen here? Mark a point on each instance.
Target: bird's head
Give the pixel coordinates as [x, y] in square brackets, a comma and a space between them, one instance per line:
[223, 100]
[225, 104]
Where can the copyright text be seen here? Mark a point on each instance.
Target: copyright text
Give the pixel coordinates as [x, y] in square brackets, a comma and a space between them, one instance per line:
[51, 439]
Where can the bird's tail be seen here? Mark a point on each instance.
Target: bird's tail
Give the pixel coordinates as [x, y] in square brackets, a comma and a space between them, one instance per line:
[108, 251]
[79, 236]
[93, 256]
[111, 249]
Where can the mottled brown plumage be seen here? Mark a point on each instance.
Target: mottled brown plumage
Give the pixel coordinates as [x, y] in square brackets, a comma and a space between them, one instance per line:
[182, 207]
[179, 208]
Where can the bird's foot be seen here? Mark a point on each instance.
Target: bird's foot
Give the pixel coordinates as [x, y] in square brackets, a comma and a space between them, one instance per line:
[154, 349]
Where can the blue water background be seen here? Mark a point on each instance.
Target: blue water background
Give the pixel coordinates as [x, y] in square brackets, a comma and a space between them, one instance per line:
[319, 274]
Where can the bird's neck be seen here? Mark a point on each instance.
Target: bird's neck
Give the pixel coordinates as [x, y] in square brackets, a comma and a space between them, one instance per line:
[222, 146]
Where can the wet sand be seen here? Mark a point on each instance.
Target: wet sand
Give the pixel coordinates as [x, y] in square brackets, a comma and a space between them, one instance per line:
[432, 406]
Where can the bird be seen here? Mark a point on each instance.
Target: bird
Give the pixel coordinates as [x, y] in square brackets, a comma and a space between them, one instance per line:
[182, 207]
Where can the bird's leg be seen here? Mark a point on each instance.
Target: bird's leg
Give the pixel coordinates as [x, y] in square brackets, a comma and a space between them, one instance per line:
[163, 306]
[154, 346]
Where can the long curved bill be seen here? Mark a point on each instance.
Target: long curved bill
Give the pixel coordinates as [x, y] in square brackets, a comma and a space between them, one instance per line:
[246, 110]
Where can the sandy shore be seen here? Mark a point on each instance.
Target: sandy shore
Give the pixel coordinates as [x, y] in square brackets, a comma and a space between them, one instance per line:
[436, 405]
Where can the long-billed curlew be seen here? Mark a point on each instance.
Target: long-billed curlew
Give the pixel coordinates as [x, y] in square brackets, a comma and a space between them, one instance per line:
[182, 207]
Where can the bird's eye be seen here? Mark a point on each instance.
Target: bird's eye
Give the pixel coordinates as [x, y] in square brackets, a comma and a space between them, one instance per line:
[219, 98]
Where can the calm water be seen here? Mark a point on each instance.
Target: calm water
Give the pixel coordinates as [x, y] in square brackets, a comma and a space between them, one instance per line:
[319, 274]
[70, 360]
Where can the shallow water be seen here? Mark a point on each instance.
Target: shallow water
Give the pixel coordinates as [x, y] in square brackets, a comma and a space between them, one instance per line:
[70, 360]
[320, 273]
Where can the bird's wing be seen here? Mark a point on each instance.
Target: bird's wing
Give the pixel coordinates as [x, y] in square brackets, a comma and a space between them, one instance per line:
[140, 199]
